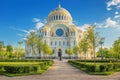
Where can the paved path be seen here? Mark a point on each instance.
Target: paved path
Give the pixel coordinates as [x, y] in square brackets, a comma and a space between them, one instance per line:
[61, 70]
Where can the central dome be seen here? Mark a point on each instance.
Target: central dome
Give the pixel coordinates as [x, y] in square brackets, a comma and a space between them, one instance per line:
[59, 14]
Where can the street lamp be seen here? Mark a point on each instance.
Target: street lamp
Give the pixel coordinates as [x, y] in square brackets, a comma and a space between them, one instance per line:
[101, 42]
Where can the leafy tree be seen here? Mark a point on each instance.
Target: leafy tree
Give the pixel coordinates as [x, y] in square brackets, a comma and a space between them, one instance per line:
[93, 39]
[46, 50]
[50, 51]
[31, 41]
[116, 47]
[39, 45]
[84, 44]
[20, 50]
[70, 52]
[75, 50]
[105, 52]
[9, 51]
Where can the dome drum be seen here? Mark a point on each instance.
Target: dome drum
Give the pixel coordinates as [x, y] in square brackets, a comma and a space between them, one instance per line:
[59, 14]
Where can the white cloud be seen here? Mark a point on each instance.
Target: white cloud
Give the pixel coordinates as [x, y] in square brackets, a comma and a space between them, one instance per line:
[113, 3]
[118, 7]
[84, 27]
[20, 35]
[25, 31]
[38, 22]
[116, 12]
[108, 23]
[39, 25]
[17, 29]
[116, 16]
[109, 9]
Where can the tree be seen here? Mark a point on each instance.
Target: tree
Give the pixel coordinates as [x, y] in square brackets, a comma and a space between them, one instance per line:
[1, 47]
[9, 51]
[84, 45]
[70, 52]
[20, 50]
[50, 51]
[101, 42]
[30, 42]
[105, 52]
[76, 50]
[39, 45]
[93, 39]
[46, 50]
[116, 47]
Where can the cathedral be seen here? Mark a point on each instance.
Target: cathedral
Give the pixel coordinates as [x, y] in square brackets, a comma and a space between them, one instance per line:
[59, 32]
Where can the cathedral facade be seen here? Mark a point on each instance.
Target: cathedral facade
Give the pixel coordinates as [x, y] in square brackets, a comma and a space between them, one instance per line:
[59, 32]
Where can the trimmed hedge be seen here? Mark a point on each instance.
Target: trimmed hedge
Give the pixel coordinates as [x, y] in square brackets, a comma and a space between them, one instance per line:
[25, 67]
[22, 69]
[103, 67]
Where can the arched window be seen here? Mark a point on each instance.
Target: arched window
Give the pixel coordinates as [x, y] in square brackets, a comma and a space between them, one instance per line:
[62, 17]
[74, 42]
[66, 34]
[55, 43]
[63, 43]
[67, 43]
[51, 43]
[57, 17]
[45, 33]
[59, 43]
[54, 17]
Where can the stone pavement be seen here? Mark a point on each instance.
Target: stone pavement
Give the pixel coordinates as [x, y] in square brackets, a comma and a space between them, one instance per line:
[61, 70]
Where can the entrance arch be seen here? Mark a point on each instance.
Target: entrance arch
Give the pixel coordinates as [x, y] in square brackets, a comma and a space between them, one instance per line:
[60, 54]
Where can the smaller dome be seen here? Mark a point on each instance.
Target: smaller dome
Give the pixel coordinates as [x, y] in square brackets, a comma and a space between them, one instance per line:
[72, 28]
[59, 14]
[46, 28]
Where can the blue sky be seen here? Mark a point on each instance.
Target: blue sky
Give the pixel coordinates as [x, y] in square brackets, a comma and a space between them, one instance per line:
[17, 17]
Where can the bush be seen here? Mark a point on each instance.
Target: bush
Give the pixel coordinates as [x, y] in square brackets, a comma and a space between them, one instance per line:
[110, 67]
[25, 67]
[22, 69]
[116, 65]
[91, 68]
[103, 67]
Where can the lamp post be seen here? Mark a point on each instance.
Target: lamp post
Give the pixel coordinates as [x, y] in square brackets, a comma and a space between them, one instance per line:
[101, 42]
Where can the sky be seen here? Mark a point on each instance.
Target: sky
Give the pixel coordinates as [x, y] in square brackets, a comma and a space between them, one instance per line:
[18, 17]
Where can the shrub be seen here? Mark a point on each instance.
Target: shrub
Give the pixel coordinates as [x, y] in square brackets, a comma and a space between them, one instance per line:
[110, 67]
[25, 67]
[103, 67]
[91, 68]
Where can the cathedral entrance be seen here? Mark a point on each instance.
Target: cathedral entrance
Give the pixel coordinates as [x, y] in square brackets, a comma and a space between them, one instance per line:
[60, 54]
